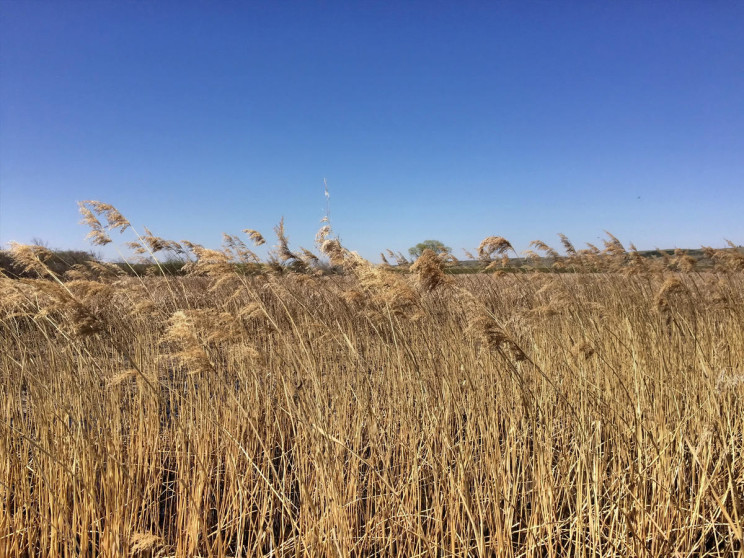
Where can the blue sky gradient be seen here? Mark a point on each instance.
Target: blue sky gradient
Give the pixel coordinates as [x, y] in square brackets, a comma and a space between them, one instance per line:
[444, 120]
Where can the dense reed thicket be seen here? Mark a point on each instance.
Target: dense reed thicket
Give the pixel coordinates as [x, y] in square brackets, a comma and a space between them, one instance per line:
[275, 409]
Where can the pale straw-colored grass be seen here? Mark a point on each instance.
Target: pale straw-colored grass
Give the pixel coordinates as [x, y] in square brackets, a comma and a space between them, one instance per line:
[368, 412]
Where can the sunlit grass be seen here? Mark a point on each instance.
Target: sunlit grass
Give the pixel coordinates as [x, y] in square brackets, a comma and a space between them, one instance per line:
[293, 411]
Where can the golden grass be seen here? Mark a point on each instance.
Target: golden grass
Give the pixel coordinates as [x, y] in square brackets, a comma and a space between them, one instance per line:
[369, 412]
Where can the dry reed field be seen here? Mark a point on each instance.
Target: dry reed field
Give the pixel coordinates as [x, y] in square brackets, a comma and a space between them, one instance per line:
[285, 408]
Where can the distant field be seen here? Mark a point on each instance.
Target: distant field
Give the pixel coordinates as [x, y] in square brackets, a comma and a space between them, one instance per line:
[331, 407]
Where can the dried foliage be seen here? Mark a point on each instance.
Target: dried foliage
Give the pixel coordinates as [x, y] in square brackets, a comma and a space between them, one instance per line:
[240, 411]
[429, 270]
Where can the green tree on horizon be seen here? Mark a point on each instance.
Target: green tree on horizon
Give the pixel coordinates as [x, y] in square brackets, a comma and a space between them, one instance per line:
[434, 245]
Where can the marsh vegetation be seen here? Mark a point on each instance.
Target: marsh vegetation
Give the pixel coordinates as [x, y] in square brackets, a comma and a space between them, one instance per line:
[277, 409]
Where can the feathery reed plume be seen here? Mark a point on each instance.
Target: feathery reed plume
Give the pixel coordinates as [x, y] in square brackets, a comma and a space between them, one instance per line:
[592, 249]
[322, 234]
[122, 377]
[353, 297]
[638, 264]
[613, 246]
[114, 219]
[429, 270]
[727, 259]
[154, 243]
[708, 252]
[734, 257]
[488, 330]
[237, 250]
[333, 250]
[137, 247]
[384, 288]
[493, 244]
[31, 258]
[666, 259]
[567, 245]
[94, 270]
[401, 260]
[683, 261]
[281, 250]
[97, 235]
[255, 236]
[207, 262]
[144, 544]
[532, 256]
[310, 259]
[687, 263]
[67, 301]
[545, 249]
[671, 287]
[190, 352]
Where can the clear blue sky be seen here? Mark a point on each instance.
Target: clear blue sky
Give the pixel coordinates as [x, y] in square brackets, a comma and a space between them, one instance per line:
[444, 120]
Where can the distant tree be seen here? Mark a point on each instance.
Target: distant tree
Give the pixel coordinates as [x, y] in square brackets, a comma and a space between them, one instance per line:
[434, 245]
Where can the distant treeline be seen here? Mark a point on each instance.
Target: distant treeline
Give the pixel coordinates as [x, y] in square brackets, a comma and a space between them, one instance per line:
[60, 263]
[64, 264]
